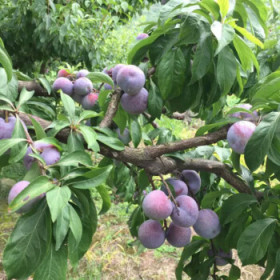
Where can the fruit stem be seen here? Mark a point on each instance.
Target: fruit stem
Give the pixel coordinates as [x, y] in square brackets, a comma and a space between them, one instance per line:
[169, 191]
[6, 116]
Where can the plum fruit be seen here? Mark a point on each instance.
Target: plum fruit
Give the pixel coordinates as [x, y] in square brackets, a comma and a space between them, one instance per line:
[192, 180]
[221, 257]
[131, 79]
[156, 205]
[124, 136]
[89, 101]
[244, 115]
[142, 36]
[115, 71]
[135, 104]
[151, 234]
[179, 186]
[82, 86]
[7, 128]
[239, 134]
[50, 155]
[18, 188]
[82, 73]
[64, 84]
[63, 73]
[178, 236]
[207, 224]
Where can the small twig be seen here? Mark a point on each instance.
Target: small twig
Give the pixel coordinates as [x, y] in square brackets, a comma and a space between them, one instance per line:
[169, 191]
[148, 117]
[100, 87]
[215, 265]
[151, 180]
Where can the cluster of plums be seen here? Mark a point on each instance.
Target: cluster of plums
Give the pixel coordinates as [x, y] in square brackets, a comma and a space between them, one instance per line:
[78, 86]
[240, 132]
[184, 213]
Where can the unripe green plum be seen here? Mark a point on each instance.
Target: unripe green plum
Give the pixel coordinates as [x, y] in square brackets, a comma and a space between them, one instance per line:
[178, 236]
[186, 214]
[192, 179]
[18, 188]
[239, 134]
[7, 128]
[131, 79]
[179, 186]
[207, 224]
[135, 104]
[83, 86]
[64, 84]
[156, 205]
[151, 234]
[89, 101]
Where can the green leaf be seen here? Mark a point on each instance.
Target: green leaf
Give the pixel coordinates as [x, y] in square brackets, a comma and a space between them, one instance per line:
[208, 127]
[224, 34]
[68, 104]
[252, 244]
[51, 140]
[39, 131]
[36, 187]
[235, 205]
[210, 198]
[61, 227]
[46, 85]
[97, 177]
[75, 142]
[28, 243]
[224, 7]
[6, 63]
[53, 266]
[226, 69]
[171, 73]
[234, 273]
[188, 251]
[211, 6]
[276, 273]
[99, 77]
[135, 132]
[86, 114]
[90, 137]
[57, 199]
[8, 89]
[245, 54]
[135, 220]
[6, 144]
[24, 96]
[111, 142]
[190, 30]
[75, 224]
[155, 102]
[106, 200]
[74, 159]
[121, 117]
[261, 140]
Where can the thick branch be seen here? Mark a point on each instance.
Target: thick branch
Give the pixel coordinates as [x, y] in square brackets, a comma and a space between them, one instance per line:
[32, 85]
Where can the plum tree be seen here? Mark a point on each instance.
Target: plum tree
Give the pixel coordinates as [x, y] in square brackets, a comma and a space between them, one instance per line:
[186, 214]
[131, 79]
[151, 234]
[207, 224]
[82, 73]
[179, 186]
[135, 104]
[142, 36]
[63, 73]
[124, 136]
[192, 179]
[156, 205]
[239, 134]
[64, 84]
[18, 188]
[89, 100]
[221, 257]
[178, 236]
[7, 128]
[82, 86]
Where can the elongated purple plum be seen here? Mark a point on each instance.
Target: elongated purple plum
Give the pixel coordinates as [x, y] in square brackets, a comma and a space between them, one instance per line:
[18, 188]
[243, 115]
[156, 205]
[179, 186]
[178, 236]
[7, 128]
[207, 224]
[142, 36]
[89, 101]
[186, 214]
[115, 71]
[131, 79]
[239, 134]
[151, 234]
[83, 86]
[135, 104]
[124, 136]
[64, 84]
[221, 257]
[192, 179]
[82, 73]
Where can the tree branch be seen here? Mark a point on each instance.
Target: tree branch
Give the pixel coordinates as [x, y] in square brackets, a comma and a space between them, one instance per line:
[32, 85]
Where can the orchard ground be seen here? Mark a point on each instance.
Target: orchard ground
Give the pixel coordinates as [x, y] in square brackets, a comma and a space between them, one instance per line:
[111, 255]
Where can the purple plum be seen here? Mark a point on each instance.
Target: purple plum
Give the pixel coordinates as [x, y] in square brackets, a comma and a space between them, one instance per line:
[142, 36]
[82, 73]
[221, 257]
[89, 101]
[83, 86]
[124, 136]
[50, 155]
[7, 128]
[135, 104]
[239, 134]
[131, 79]
[63, 73]
[64, 84]
[115, 71]
[179, 186]
[178, 236]
[243, 115]
[192, 180]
